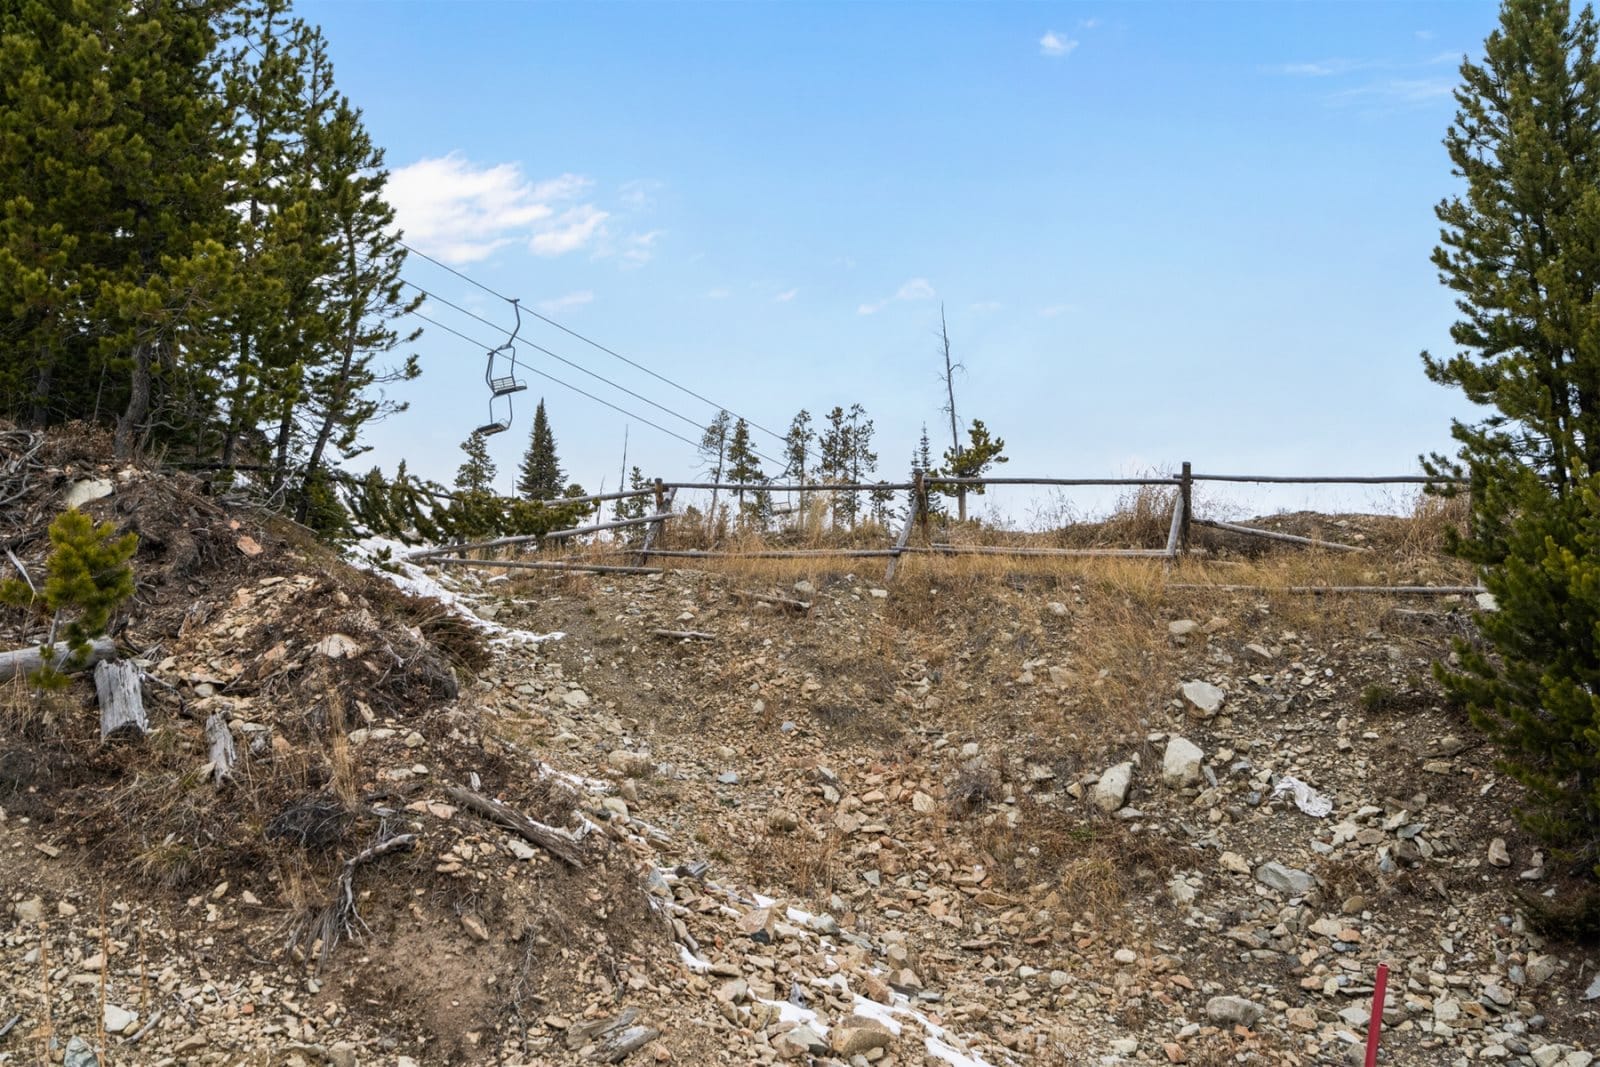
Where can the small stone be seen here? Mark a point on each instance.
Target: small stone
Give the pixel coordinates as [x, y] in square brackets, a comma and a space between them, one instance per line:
[79, 1053]
[1498, 856]
[1182, 627]
[1275, 875]
[119, 1019]
[1203, 698]
[1111, 791]
[1125, 956]
[474, 926]
[81, 493]
[1180, 766]
[1124, 1046]
[728, 778]
[1234, 1011]
[1056, 608]
[856, 1035]
[29, 911]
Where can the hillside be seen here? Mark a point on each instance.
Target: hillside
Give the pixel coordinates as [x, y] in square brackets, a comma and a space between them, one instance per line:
[985, 815]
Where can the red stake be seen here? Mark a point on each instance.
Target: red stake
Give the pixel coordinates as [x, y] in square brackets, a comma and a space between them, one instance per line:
[1376, 1024]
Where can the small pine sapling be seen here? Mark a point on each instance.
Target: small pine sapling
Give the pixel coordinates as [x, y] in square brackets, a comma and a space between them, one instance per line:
[86, 579]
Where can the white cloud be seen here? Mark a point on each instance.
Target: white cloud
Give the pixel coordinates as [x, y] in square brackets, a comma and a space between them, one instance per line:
[1090, 23]
[1056, 44]
[787, 295]
[1397, 92]
[914, 289]
[567, 302]
[639, 194]
[572, 230]
[1055, 310]
[719, 293]
[984, 307]
[463, 212]
[639, 248]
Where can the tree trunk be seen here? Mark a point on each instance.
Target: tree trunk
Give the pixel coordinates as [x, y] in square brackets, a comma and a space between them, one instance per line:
[25, 661]
[39, 413]
[121, 704]
[961, 503]
[131, 422]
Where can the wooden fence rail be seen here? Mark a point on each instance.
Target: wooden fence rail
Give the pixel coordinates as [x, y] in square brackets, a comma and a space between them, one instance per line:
[1178, 543]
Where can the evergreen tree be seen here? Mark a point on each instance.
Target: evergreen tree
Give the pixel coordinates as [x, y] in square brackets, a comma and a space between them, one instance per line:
[540, 476]
[973, 461]
[922, 460]
[1521, 249]
[744, 468]
[863, 460]
[362, 296]
[476, 474]
[833, 460]
[714, 456]
[114, 162]
[796, 447]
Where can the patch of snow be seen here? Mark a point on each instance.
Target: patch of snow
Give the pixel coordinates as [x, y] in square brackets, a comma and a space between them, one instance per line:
[410, 578]
[952, 1055]
[871, 1009]
[793, 1013]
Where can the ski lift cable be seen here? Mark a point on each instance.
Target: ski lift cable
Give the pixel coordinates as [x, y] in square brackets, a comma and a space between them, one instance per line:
[534, 370]
[596, 344]
[575, 366]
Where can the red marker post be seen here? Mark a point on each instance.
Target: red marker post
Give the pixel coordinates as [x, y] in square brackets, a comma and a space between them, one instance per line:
[1380, 987]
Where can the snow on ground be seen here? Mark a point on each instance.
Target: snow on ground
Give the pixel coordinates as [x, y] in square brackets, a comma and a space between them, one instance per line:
[386, 558]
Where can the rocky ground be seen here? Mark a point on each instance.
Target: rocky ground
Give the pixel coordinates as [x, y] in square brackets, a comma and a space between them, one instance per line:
[991, 818]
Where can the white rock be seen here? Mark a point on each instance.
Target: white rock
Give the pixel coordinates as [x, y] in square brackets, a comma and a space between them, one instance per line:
[1181, 764]
[81, 493]
[1182, 627]
[1111, 791]
[119, 1019]
[1487, 602]
[1203, 698]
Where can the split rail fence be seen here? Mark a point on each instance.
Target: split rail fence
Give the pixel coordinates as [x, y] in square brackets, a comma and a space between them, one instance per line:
[918, 514]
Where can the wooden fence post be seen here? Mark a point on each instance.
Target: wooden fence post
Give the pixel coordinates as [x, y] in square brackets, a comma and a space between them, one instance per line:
[1186, 497]
[920, 493]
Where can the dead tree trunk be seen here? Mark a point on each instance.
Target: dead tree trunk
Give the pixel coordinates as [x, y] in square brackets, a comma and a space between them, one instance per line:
[121, 704]
[131, 422]
[25, 661]
[219, 739]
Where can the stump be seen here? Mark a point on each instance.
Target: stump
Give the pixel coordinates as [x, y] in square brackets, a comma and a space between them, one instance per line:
[121, 703]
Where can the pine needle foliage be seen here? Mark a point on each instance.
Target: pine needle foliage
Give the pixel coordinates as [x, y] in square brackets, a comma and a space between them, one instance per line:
[1521, 249]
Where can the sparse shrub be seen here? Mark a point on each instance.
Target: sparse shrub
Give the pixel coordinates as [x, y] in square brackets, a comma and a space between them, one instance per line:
[87, 578]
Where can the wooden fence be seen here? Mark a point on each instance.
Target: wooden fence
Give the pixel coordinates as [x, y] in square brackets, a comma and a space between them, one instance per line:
[918, 512]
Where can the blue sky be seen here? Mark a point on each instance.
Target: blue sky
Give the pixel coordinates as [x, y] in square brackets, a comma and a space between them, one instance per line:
[1160, 231]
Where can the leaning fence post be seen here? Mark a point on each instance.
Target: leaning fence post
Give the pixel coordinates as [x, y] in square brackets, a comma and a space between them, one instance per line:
[1186, 498]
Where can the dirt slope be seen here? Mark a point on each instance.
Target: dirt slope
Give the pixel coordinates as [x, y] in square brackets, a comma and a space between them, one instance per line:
[972, 818]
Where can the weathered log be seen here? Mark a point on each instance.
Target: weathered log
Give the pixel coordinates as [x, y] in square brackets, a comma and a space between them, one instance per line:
[553, 840]
[219, 739]
[116, 683]
[780, 601]
[1274, 535]
[685, 635]
[25, 661]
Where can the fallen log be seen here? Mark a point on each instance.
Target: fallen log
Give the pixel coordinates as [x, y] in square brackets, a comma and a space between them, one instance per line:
[553, 840]
[685, 635]
[116, 683]
[25, 661]
[219, 739]
[779, 601]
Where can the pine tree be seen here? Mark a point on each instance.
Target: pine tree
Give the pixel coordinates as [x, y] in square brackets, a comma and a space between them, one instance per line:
[796, 448]
[714, 456]
[973, 461]
[477, 473]
[87, 578]
[863, 460]
[1521, 249]
[833, 462]
[744, 468]
[114, 162]
[362, 296]
[922, 462]
[540, 476]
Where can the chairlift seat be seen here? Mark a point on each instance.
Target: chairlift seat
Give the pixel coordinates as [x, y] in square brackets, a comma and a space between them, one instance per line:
[491, 428]
[506, 386]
